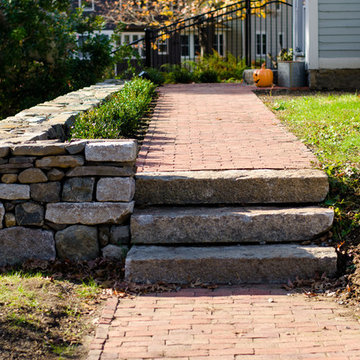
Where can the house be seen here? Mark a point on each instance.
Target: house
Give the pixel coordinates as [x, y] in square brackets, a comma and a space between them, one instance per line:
[332, 38]
[255, 40]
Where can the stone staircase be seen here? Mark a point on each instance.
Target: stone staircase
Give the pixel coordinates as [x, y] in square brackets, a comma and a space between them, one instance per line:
[229, 227]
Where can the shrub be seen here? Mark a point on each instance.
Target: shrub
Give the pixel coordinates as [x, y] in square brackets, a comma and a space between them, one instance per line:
[155, 76]
[207, 69]
[225, 67]
[208, 76]
[178, 74]
[120, 116]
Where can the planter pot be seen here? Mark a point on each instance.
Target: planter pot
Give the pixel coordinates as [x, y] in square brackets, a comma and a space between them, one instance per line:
[291, 74]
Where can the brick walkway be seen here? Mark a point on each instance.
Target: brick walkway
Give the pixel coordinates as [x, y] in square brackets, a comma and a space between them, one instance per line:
[217, 127]
[220, 127]
[228, 323]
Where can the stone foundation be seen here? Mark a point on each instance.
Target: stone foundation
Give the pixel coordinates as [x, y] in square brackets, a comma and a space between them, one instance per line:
[334, 79]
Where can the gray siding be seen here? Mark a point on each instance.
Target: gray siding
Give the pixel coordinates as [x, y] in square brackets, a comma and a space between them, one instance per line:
[339, 28]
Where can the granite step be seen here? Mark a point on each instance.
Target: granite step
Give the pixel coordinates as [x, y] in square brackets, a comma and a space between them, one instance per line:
[205, 225]
[232, 187]
[237, 264]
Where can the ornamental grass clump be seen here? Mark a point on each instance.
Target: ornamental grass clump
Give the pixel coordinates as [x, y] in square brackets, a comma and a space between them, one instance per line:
[120, 117]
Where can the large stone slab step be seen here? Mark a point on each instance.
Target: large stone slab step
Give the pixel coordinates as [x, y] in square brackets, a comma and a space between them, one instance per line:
[228, 264]
[232, 187]
[200, 225]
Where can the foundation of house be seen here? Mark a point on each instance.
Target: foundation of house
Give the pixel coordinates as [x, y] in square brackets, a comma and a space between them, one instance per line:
[334, 79]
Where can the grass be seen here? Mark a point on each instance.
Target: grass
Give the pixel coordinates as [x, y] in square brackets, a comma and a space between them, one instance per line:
[329, 123]
[120, 117]
[44, 318]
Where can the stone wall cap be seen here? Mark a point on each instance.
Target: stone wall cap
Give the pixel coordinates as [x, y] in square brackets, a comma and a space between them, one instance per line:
[113, 151]
[39, 149]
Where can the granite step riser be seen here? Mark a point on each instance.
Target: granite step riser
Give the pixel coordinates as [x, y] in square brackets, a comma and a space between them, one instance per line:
[175, 226]
[232, 187]
[228, 265]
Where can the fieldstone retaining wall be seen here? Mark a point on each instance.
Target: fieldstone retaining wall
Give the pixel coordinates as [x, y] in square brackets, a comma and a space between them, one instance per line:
[70, 200]
[52, 119]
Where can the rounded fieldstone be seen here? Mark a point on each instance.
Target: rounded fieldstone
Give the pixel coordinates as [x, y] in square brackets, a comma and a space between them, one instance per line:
[19, 244]
[14, 192]
[9, 206]
[47, 192]
[2, 213]
[10, 220]
[29, 214]
[31, 176]
[120, 234]
[4, 151]
[115, 252]
[78, 189]
[61, 161]
[9, 178]
[75, 147]
[55, 175]
[77, 242]
[115, 189]
[104, 235]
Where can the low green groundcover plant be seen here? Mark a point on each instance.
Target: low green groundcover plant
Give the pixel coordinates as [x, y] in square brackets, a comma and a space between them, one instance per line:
[120, 116]
[330, 125]
[207, 69]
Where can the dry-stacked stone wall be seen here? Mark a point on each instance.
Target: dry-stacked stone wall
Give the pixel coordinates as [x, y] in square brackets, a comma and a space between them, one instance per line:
[61, 199]
[68, 200]
[52, 119]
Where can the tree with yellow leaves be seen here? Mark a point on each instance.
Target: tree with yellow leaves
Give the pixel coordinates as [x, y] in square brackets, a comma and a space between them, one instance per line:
[161, 13]
[156, 13]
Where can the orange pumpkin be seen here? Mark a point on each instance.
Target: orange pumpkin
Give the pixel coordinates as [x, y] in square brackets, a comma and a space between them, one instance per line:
[263, 77]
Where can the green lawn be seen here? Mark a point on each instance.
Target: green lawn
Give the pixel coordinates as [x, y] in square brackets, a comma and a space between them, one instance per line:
[45, 318]
[329, 123]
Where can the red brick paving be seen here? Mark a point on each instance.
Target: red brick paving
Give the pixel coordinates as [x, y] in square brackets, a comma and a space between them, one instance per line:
[235, 323]
[217, 127]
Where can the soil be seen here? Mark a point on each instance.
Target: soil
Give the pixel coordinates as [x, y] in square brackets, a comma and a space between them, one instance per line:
[53, 316]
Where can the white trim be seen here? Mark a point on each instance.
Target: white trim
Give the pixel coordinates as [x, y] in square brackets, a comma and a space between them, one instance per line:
[92, 8]
[191, 45]
[131, 35]
[339, 63]
[312, 34]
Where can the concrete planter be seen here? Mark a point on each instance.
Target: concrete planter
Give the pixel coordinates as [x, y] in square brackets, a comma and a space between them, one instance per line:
[291, 74]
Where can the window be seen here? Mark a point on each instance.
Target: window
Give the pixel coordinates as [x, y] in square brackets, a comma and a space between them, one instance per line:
[128, 38]
[281, 40]
[197, 48]
[185, 45]
[219, 44]
[88, 5]
[260, 44]
[162, 46]
[190, 45]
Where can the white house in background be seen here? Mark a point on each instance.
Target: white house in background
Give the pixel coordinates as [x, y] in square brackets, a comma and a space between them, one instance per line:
[332, 40]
